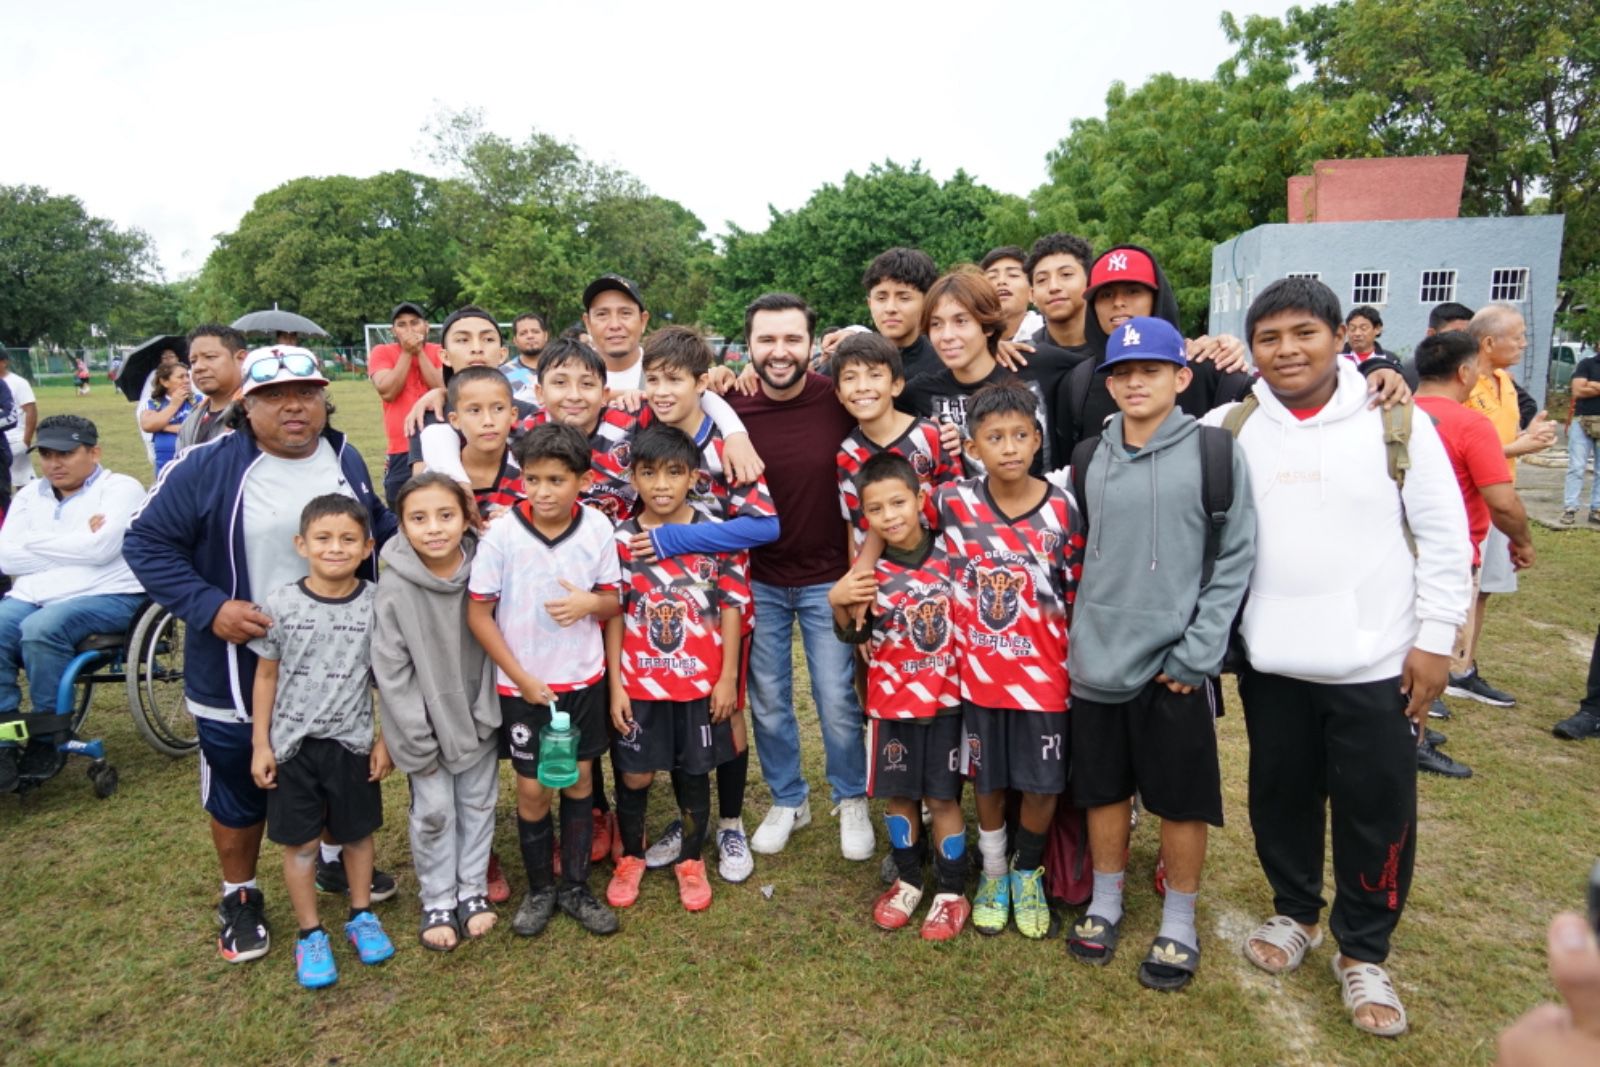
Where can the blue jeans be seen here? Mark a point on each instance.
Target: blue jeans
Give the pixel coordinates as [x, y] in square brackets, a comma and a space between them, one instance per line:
[43, 640]
[771, 687]
[1581, 452]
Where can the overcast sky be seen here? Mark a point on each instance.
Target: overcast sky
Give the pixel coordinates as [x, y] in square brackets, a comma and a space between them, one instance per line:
[173, 116]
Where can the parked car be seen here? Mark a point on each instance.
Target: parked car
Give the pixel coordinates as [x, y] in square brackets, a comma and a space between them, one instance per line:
[1564, 358]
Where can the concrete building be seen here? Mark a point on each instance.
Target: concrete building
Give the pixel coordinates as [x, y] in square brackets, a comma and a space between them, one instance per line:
[1401, 266]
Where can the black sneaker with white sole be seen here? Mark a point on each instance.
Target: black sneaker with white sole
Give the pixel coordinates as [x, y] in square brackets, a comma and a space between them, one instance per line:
[244, 936]
[1438, 709]
[1433, 761]
[576, 900]
[1472, 686]
[332, 879]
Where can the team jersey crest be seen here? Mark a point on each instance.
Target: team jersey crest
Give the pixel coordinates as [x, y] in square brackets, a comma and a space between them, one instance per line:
[912, 667]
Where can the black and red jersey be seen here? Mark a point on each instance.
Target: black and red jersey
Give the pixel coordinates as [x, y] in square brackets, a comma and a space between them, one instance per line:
[913, 667]
[920, 445]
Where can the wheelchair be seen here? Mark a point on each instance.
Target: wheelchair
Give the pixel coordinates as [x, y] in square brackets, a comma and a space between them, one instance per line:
[146, 661]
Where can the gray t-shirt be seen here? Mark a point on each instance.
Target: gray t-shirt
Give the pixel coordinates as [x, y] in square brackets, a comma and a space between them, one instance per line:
[323, 649]
[275, 492]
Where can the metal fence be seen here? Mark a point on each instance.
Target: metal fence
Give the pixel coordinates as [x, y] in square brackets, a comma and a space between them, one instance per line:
[56, 365]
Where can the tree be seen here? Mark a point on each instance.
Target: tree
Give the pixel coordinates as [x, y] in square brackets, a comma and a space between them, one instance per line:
[340, 250]
[61, 269]
[820, 249]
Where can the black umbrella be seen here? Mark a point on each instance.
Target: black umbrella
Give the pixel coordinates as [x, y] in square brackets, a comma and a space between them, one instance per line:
[138, 364]
[275, 321]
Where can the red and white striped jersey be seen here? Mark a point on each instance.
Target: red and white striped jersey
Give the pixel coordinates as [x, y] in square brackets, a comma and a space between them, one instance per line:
[919, 444]
[713, 494]
[1015, 579]
[610, 455]
[672, 618]
[912, 666]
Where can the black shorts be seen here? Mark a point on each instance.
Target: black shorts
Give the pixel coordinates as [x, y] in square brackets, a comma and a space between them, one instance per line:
[324, 786]
[227, 791]
[672, 735]
[1160, 743]
[915, 758]
[520, 723]
[1010, 749]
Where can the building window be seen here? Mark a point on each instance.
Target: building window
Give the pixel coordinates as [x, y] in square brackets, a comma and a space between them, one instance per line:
[1370, 287]
[1311, 275]
[1438, 286]
[1509, 284]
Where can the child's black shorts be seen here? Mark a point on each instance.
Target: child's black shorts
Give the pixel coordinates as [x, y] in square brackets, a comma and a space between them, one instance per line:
[673, 735]
[323, 786]
[520, 723]
[915, 758]
[1160, 743]
[1010, 749]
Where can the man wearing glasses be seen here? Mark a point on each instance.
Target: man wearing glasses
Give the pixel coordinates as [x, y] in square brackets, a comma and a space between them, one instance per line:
[209, 542]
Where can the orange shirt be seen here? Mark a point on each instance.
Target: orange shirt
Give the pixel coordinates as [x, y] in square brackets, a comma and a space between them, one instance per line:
[1496, 397]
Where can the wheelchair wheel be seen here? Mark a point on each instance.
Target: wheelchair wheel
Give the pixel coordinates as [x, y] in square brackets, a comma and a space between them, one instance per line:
[155, 683]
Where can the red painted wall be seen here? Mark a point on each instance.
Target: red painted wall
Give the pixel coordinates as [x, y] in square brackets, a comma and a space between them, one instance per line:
[1368, 190]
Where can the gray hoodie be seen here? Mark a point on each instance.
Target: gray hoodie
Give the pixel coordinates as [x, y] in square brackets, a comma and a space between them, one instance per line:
[1140, 610]
[436, 682]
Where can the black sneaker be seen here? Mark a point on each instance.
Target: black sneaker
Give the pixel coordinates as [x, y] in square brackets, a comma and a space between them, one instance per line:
[1433, 737]
[1433, 761]
[1472, 686]
[1438, 709]
[576, 900]
[1584, 724]
[534, 913]
[331, 879]
[10, 773]
[244, 934]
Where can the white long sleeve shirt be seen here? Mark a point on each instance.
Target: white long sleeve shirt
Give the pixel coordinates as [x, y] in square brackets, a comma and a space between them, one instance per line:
[48, 549]
[1336, 596]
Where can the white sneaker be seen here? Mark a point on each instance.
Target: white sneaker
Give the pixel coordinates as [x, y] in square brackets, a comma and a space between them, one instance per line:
[664, 853]
[856, 839]
[773, 833]
[735, 863]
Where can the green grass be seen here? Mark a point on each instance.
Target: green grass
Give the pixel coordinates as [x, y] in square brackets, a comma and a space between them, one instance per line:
[110, 958]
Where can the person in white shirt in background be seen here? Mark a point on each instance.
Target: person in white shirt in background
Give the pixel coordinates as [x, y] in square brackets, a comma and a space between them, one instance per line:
[20, 435]
[62, 545]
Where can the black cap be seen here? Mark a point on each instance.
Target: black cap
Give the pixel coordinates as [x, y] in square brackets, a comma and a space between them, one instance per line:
[612, 283]
[408, 305]
[65, 433]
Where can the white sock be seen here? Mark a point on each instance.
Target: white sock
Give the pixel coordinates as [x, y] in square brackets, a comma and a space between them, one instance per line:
[1107, 900]
[992, 847]
[730, 824]
[1177, 918]
[230, 888]
[332, 853]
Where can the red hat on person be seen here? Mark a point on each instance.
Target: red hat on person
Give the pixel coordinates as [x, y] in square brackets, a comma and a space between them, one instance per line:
[1122, 265]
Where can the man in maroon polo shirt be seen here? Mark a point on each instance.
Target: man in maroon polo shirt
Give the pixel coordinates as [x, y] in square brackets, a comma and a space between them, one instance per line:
[796, 424]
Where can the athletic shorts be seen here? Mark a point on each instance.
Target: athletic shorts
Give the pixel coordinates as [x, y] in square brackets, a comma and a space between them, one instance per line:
[1497, 576]
[226, 789]
[323, 786]
[915, 758]
[520, 723]
[669, 735]
[1161, 744]
[1010, 749]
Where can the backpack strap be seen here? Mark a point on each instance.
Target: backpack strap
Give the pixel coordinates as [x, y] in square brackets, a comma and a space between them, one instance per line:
[1082, 453]
[1216, 490]
[1233, 422]
[1397, 454]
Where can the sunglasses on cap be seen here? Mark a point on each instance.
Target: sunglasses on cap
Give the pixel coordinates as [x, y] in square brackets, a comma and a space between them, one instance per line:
[296, 364]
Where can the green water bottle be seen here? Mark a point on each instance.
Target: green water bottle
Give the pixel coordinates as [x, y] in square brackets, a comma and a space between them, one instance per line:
[558, 751]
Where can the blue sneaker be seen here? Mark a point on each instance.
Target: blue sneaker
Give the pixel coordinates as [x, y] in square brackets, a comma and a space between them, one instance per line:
[991, 907]
[365, 932]
[313, 961]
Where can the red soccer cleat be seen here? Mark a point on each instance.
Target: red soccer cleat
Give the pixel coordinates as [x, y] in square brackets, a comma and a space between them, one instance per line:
[624, 887]
[946, 916]
[499, 888]
[893, 909]
[600, 848]
[693, 889]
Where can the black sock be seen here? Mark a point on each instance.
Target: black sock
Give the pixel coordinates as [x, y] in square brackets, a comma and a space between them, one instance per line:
[601, 804]
[1030, 849]
[307, 933]
[951, 874]
[694, 801]
[538, 853]
[355, 913]
[731, 779]
[908, 862]
[577, 835]
[631, 805]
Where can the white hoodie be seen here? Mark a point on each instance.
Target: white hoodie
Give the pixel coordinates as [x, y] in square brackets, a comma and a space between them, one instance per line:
[1336, 596]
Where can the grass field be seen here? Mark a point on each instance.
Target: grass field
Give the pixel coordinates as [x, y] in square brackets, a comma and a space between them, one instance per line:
[110, 952]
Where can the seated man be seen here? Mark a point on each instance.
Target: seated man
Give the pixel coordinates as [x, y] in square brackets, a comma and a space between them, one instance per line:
[62, 546]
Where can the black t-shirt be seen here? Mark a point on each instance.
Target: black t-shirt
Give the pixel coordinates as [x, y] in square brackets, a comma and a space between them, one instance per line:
[937, 395]
[919, 357]
[1589, 370]
[1082, 404]
[1048, 366]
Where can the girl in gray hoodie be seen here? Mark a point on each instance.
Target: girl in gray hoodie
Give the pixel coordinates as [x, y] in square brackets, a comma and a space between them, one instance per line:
[441, 717]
